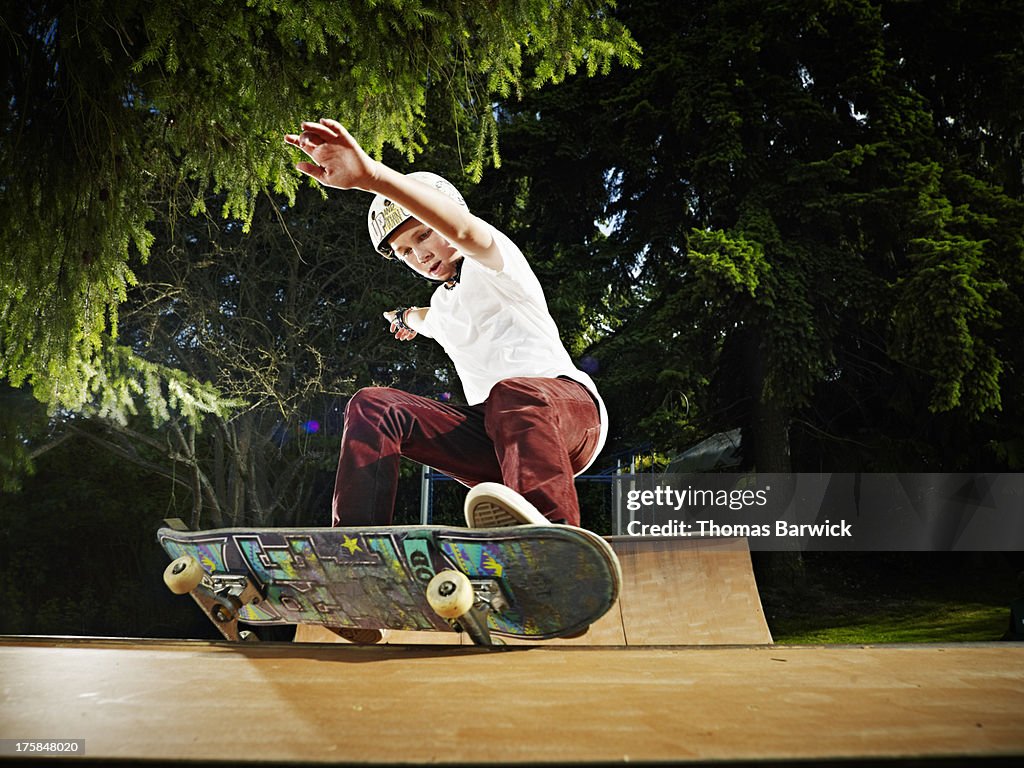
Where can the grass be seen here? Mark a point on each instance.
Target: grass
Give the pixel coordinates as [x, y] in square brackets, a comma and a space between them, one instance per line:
[922, 622]
[855, 598]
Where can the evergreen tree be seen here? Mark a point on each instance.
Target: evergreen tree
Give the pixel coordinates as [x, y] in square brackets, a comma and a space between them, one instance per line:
[115, 108]
[813, 229]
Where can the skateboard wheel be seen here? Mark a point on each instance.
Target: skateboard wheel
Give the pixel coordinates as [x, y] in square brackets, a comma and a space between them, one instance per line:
[225, 609]
[183, 575]
[450, 594]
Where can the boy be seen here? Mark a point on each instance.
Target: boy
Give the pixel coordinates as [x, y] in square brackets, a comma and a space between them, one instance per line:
[533, 421]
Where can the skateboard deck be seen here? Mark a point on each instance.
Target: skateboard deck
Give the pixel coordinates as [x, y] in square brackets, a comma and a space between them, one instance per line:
[535, 582]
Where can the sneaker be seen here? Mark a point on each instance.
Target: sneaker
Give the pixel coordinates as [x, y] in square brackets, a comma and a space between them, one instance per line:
[492, 505]
[358, 636]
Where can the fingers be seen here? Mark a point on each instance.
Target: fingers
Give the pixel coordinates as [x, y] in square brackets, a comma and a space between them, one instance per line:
[311, 169]
[337, 128]
[325, 129]
[315, 134]
[339, 160]
[303, 141]
[402, 334]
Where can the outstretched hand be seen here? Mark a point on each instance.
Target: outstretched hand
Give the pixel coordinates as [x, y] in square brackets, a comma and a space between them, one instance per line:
[401, 331]
[339, 161]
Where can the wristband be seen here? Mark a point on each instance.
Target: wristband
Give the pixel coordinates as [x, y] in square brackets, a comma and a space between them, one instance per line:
[400, 318]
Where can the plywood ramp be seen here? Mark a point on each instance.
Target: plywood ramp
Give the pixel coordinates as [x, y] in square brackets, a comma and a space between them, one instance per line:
[675, 591]
[290, 703]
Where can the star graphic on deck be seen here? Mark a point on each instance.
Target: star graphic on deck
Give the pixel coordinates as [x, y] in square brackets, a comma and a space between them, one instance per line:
[351, 545]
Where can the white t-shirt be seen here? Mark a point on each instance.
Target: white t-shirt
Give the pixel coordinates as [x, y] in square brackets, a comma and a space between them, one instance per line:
[496, 326]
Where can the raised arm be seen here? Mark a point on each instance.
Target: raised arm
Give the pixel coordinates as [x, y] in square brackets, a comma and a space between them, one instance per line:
[340, 162]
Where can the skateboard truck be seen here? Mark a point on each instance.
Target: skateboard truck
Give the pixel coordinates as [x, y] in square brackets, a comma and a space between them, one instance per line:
[466, 604]
[220, 595]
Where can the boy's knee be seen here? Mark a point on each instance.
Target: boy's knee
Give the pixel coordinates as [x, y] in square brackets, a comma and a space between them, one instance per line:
[367, 403]
[516, 393]
[514, 406]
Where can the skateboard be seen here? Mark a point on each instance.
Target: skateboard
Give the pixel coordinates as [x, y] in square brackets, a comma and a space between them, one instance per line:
[538, 582]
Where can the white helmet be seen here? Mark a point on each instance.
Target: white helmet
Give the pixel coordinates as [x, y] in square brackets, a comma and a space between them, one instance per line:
[384, 216]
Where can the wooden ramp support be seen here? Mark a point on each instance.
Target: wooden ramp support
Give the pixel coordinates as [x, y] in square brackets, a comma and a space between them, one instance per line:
[675, 591]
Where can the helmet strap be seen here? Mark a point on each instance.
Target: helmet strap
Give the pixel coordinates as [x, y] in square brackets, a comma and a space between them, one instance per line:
[448, 284]
[453, 281]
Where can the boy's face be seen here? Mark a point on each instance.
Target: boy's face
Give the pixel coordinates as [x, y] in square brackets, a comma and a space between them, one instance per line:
[424, 250]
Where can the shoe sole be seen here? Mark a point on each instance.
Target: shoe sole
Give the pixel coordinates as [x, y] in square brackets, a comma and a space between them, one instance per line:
[495, 506]
[359, 636]
[488, 514]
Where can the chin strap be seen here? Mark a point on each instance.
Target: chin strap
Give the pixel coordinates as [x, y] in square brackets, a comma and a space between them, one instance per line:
[452, 282]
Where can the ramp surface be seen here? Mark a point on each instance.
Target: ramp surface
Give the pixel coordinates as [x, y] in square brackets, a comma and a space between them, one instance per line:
[292, 703]
[675, 591]
[689, 592]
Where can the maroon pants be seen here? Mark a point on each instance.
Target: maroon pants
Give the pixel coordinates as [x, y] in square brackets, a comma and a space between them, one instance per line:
[531, 434]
